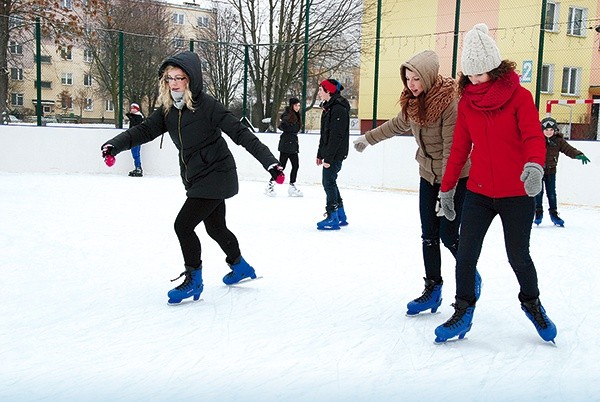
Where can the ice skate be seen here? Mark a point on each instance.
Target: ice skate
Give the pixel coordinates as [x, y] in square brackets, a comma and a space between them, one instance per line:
[342, 216]
[539, 215]
[192, 286]
[537, 315]
[239, 271]
[555, 219]
[270, 190]
[294, 192]
[331, 222]
[430, 299]
[137, 172]
[458, 325]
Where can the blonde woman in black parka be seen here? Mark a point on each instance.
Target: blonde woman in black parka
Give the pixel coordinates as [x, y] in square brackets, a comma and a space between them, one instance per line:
[195, 120]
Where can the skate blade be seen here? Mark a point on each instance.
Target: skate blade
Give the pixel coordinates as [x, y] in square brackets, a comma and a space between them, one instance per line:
[422, 314]
[185, 302]
[246, 280]
[451, 340]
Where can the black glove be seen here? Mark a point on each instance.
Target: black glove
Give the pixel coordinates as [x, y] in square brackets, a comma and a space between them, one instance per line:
[107, 149]
[276, 171]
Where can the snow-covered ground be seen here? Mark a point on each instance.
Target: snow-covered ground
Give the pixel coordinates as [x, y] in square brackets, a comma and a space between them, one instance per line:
[86, 263]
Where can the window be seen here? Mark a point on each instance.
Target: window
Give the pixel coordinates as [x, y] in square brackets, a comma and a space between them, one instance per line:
[66, 54]
[16, 74]
[179, 42]
[547, 78]
[66, 79]
[577, 21]
[87, 80]
[551, 17]
[108, 105]
[89, 104]
[16, 99]
[570, 81]
[15, 48]
[15, 21]
[203, 22]
[178, 18]
[43, 84]
[68, 4]
[87, 56]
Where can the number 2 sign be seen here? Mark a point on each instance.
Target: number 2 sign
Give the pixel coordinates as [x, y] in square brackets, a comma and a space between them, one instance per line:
[527, 71]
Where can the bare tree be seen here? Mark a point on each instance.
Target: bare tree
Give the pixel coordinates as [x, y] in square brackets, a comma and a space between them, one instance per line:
[59, 21]
[222, 56]
[148, 41]
[276, 35]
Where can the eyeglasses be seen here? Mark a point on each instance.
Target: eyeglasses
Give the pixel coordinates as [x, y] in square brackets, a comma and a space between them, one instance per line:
[177, 79]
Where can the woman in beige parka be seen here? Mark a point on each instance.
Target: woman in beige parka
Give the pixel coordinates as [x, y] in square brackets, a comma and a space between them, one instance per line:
[428, 105]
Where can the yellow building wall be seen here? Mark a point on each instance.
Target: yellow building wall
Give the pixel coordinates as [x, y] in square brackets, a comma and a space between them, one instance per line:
[409, 27]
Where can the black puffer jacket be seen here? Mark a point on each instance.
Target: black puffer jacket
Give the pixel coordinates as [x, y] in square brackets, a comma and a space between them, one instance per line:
[335, 129]
[134, 119]
[207, 166]
[290, 124]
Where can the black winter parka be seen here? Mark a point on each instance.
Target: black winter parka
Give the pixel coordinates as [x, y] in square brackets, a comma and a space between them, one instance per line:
[335, 129]
[206, 164]
[288, 141]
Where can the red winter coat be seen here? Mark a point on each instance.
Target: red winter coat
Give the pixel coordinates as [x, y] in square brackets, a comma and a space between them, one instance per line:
[498, 126]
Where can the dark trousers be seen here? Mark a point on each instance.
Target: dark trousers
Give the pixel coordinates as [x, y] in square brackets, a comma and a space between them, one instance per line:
[435, 228]
[477, 215]
[293, 158]
[548, 182]
[330, 174]
[212, 212]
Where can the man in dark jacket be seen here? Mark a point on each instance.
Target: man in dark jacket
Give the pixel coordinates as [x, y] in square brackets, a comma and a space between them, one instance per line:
[333, 149]
[195, 120]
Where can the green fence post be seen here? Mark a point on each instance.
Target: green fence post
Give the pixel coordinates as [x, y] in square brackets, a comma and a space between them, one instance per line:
[38, 69]
[376, 75]
[121, 73]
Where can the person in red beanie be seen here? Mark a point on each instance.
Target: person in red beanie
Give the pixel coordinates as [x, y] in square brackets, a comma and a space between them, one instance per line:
[333, 149]
[135, 117]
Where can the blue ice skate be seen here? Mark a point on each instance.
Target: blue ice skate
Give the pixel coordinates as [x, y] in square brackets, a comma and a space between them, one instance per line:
[430, 299]
[555, 218]
[537, 314]
[539, 215]
[458, 325]
[239, 271]
[192, 286]
[342, 216]
[331, 222]
[478, 283]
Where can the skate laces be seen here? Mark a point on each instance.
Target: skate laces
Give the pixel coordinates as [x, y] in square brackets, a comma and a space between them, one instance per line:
[426, 295]
[186, 281]
[458, 315]
[539, 318]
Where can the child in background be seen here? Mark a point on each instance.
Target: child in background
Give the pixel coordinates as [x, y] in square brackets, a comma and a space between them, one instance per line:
[555, 144]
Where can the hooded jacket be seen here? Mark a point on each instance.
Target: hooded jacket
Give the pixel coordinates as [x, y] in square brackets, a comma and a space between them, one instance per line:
[335, 129]
[434, 139]
[554, 146]
[206, 164]
[498, 127]
[288, 141]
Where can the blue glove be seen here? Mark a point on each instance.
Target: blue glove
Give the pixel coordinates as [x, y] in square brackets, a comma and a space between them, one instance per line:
[584, 159]
[446, 205]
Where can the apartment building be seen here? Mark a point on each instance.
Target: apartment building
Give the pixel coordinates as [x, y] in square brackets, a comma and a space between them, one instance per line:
[69, 90]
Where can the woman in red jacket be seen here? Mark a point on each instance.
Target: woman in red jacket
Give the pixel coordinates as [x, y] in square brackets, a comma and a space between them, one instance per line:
[498, 127]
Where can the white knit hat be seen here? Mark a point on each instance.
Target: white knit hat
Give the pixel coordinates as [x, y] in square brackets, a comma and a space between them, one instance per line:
[480, 53]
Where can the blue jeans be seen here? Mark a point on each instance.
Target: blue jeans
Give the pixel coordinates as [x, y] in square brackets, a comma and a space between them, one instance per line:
[549, 182]
[477, 215]
[137, 159]
[435, 228]
[330, 174]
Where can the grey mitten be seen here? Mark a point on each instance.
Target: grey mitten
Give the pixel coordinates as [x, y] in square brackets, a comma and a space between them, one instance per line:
[532, 178]
[446, 205]
[361, 143]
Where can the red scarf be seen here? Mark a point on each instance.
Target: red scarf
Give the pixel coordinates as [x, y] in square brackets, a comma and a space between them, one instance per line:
[491, 95]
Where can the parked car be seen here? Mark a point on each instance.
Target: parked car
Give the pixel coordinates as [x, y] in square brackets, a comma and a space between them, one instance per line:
[11, 118]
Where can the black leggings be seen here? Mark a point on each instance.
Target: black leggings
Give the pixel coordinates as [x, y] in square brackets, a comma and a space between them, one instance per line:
[283, 158]
[212, 212]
